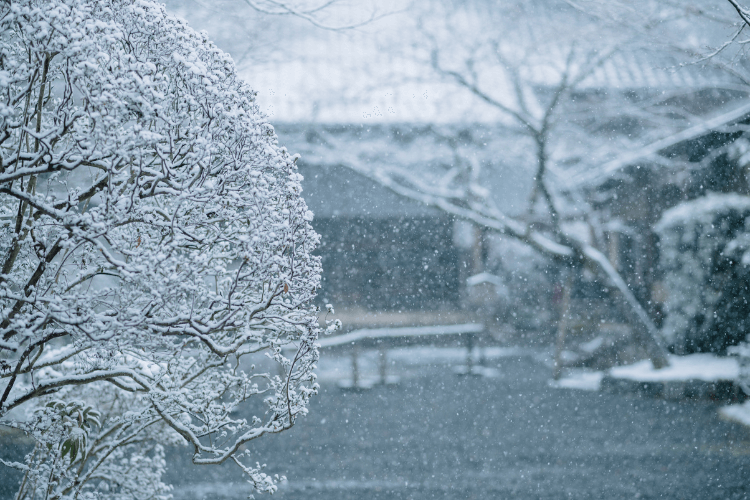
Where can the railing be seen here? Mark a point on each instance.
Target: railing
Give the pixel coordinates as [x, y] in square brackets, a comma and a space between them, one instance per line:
[383, 339]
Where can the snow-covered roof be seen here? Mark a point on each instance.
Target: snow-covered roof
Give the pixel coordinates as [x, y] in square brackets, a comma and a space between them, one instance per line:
[358, 84]
[653, 71]
[331, 189]
[731, 114]
[335, 191]
[381, 73]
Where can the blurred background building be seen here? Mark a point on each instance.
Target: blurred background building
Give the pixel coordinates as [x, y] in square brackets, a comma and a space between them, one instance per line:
[648, 113]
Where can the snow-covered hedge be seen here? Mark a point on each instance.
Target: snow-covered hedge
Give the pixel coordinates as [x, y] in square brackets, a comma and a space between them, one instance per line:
[154, 245]
[705, 254]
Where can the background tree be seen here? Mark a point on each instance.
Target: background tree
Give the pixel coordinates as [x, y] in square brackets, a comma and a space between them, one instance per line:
[154, 244]
[539, 77]
[586, 89]
[581, 90]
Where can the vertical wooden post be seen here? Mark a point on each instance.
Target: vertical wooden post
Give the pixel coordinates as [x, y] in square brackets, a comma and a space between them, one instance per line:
[469, 353]
[477, 251]
[383, 365]
[355, 369]
[614, 248]
[562, 325]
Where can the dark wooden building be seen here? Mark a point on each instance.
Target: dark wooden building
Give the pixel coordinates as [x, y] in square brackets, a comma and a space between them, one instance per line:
[380, 251]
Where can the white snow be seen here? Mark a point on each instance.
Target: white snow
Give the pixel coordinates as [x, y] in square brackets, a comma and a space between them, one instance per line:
[702, 366]
[583, 380]
[500, 287]
[592, 345]
[481, 278]
[549, 245]
[409, 362]
[696, 236]
[702, 209]
[706, 367]
[578, 230]
[737, 413]
[416, 331]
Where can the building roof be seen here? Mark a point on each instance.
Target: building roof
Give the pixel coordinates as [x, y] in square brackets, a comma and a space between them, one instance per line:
[381, 73]
[366, 89]
[331, 189]
[589, 177]
[335, 191]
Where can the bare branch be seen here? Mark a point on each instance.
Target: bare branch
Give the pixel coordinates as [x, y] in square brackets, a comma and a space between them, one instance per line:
[279, 8]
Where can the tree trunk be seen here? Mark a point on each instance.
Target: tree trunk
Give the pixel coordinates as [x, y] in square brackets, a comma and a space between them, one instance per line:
[644, 329]
[562, 325]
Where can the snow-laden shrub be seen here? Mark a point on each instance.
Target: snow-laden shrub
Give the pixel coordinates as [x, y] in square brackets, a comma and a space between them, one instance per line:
[705, 255]
[154, 244]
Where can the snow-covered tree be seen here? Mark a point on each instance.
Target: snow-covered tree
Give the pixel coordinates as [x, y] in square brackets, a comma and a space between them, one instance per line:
[582, 90]
[705, 255]
[153, 244]
[535, 69]
[579, 91]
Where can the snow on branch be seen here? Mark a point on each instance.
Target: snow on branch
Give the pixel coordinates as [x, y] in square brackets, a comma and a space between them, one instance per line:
[153, 247]
[590, 176]
[741, 11]
[309, 14]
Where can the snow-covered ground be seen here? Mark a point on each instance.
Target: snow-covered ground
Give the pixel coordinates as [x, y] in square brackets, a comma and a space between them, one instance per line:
[409, 361]
[705, 367]
[439, 436]
[585, 380]
[737, 413]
